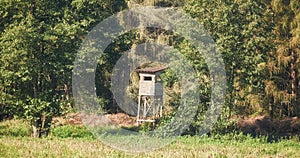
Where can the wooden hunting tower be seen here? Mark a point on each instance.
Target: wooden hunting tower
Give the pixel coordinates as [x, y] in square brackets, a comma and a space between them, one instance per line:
[150, 100]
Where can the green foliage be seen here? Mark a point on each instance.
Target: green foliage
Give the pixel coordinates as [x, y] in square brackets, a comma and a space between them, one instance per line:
[243, 34]
[36, 108]
[105, 67]
[69, 131]
[259, 41]
[40, 114]
[169, 78]
[15, 127]
[282, 69]
[225, 124]
[146, 127]
[38, 44]
[102, 103]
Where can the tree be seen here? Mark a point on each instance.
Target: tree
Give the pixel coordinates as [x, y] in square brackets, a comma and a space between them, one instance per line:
[243, 36]
[39, 41]
[282, 83]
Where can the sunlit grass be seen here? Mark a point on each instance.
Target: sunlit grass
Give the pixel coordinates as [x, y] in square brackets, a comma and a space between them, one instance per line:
[182, 147]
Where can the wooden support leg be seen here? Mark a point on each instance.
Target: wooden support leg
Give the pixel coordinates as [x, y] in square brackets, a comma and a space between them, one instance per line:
[138, 112]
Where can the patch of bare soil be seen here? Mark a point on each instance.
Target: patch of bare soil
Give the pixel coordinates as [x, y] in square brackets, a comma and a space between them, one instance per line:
[122, 119]
[119, 119]
[264, 125]
[68, 119]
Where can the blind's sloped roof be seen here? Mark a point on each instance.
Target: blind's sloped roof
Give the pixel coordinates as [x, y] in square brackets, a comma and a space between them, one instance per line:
[151, 69]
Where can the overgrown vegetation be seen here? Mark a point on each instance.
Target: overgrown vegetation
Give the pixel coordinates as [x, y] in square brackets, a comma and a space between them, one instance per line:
[259, 42]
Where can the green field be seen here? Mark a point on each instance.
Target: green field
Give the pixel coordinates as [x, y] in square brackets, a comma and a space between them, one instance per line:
[182, 147]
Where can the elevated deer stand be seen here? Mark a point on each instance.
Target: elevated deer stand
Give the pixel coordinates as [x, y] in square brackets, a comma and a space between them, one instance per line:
[150, 100]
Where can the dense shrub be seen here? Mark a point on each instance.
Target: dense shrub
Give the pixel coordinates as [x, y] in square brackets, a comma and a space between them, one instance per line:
[225, 124]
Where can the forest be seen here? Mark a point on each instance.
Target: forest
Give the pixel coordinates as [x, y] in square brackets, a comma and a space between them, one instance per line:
[258, 40]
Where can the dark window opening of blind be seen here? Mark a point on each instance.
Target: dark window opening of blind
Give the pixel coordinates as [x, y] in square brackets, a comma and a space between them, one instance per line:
[146, 78]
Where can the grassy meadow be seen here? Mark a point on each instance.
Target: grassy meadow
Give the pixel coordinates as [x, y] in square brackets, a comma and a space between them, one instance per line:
[182, 147]
[77, 141]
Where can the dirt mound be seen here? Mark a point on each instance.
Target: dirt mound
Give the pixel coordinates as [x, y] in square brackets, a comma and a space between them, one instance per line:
[264, 125]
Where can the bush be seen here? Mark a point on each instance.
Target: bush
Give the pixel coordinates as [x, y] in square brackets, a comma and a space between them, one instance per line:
[225, 123]
[14, 127]
[71, 131]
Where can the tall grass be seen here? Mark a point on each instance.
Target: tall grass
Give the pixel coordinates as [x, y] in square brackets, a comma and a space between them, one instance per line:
[76, 141]
[182, 147]
[15, 127]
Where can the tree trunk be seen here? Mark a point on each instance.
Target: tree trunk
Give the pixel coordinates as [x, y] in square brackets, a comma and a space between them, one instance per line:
[291, 110]
[35, 130]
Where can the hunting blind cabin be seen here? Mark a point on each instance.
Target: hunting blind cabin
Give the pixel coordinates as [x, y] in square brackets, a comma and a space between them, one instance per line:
[150, 99]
